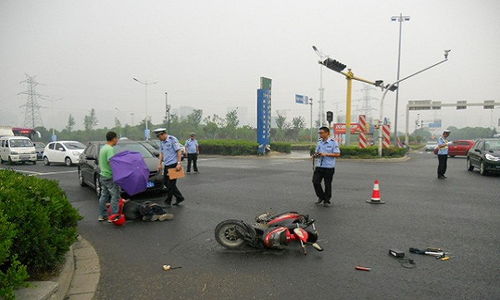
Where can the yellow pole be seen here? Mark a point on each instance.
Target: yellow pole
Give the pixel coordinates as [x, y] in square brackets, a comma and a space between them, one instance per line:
[349, 77]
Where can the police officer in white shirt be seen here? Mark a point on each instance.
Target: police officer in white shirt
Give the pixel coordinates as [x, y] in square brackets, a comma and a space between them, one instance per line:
[442, 154]
[327, 150]
[170, 157]
[192, 150]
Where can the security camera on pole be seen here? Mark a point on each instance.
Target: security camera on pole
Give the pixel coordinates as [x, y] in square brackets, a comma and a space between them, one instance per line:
[393, 87]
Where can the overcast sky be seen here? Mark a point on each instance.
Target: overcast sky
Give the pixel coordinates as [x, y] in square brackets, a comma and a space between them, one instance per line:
[210, 55]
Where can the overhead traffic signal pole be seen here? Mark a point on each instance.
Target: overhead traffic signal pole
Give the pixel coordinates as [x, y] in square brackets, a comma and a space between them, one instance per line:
[339, 67]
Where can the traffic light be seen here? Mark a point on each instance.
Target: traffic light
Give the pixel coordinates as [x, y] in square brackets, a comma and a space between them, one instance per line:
[334, 65]
[329, 116]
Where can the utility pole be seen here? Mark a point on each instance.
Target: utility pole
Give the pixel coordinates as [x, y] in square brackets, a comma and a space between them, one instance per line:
[312, 125]
[399, 19]
[32, 117]
[321, 106]
[146, 119]
[167, 112]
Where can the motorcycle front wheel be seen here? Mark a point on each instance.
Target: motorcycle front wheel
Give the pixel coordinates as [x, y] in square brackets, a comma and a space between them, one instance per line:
[230, 234]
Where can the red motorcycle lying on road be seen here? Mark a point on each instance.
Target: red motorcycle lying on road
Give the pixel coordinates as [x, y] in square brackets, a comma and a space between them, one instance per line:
[269, 231]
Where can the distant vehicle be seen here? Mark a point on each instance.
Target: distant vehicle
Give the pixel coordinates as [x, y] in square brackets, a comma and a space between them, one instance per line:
[430, 146]
[27, 132]
[66, 152]
[39, 147]
[485, 155]
[6, 131]
[17, 149]
[88, 166]
[460, 147]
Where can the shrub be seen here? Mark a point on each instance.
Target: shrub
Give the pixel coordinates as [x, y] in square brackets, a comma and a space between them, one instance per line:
[368, 152]
[228, 147]
[41, 224]
[238, 147]
[281, 147]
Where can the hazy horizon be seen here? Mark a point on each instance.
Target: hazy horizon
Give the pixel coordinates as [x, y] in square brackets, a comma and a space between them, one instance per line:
[210, 55]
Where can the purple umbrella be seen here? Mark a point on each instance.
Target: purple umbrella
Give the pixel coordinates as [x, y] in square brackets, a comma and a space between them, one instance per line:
[130, 172]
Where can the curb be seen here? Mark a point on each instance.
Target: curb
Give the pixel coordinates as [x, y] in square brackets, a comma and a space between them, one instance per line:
[87, 272]
[77, 280]
[54, 289]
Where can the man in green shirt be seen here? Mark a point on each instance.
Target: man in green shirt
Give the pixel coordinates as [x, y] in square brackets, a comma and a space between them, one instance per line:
[110, 192]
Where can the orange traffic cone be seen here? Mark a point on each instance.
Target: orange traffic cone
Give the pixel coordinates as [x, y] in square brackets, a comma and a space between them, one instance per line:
[375, 194]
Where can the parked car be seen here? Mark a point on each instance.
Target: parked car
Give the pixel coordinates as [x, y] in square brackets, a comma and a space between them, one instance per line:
[460, 147]
[156, 145]
[66, 152]
[88, 167]
[39, 147]
[430, 146]
[17, 149]
[485, 155]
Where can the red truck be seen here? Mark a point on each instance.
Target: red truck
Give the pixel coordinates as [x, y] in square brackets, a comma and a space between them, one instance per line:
[460, 147]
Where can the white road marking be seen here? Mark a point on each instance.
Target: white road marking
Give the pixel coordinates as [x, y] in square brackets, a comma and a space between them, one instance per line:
[60, 172]
[33, 173]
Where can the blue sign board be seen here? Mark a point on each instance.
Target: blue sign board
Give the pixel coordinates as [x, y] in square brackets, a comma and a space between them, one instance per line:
[147, 134]
[300, 99]
[263, 119]
[435, 124]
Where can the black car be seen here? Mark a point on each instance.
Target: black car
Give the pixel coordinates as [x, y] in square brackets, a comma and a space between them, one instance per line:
[88, 167]
[485, 155]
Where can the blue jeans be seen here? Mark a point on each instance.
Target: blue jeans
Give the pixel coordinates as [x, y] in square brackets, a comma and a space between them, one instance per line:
[109, 193]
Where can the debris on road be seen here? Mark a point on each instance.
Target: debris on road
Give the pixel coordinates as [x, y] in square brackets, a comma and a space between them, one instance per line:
[360, 268]
[169, 267]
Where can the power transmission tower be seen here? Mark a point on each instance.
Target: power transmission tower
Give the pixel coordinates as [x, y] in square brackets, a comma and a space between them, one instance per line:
[366, 107]
[32, 117]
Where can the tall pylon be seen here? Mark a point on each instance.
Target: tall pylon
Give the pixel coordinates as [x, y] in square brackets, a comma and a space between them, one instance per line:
[32, 117]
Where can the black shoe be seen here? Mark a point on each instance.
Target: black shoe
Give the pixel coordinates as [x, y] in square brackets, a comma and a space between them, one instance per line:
[178, 201]
[441, 177]
[444, 176]
[168, 203]
[327, 203]
[319, 201]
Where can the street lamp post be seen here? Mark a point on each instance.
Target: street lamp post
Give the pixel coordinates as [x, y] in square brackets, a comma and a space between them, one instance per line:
[146, 85]
[399, 19]
[312, 126]
[394, 86]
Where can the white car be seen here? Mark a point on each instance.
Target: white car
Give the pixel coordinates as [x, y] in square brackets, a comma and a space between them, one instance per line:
[430, 146]
[66, 152]
[17, 149]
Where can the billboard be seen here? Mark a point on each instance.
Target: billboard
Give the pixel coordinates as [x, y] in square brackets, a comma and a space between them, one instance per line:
[301, 99]
[263, 119]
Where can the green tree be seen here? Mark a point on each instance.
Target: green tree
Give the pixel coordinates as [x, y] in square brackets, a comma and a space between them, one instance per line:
[194, 119]
[90, 120]
[232, 120]
[71, 123]
[298, 123]
[281, 122]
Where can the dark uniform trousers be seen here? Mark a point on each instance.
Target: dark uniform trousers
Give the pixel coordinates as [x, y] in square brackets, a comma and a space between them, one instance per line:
[326, 175]
[443, 164]
[192, 158]
[171, 185]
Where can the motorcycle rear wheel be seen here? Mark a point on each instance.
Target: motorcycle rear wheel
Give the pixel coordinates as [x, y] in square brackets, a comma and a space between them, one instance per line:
[230, 234]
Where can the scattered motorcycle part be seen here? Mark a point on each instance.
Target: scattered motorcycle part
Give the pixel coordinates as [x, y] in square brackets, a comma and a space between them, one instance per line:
[396, 253]
[360, 268]
[317, 247]
[169, 267]
[445, 258]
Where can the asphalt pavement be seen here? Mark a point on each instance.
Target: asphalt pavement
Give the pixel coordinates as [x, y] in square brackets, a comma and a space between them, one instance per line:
[460, 214]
